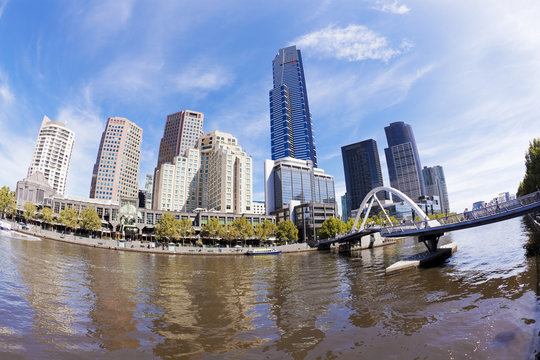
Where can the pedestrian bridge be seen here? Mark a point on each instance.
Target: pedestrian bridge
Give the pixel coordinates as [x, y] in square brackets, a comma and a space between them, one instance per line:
[430, 230]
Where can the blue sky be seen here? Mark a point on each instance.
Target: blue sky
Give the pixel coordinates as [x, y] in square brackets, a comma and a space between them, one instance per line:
[464, 74]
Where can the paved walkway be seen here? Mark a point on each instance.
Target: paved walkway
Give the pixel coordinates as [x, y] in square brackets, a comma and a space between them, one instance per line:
[138, 246]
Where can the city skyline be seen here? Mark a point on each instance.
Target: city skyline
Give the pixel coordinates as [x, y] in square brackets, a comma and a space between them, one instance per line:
[367, 64]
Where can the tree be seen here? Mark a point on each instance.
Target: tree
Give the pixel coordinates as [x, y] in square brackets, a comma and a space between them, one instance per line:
[211, 229]
[264, 230]
[7, 200]
[185, 229]
[287, 231]
[242, 228]
[90, 219]
[228, 233]
[29, 211]
[167, 228]
[47, 215]
[70, 218]
[531, 181]
[350, 223]
[331, 227]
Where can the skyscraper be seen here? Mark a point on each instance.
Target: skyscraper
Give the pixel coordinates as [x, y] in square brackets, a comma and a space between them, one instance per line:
[436, 185]
[362, 171]
[116, 172]
[290, 119]
[225, 180]
[182, 131]
[52, 153]
[404, 168]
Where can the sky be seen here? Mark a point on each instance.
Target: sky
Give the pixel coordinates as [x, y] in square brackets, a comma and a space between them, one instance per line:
[465, 75]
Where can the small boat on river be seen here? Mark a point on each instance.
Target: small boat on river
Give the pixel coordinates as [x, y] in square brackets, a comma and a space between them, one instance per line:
[263, 252]
[5, 226]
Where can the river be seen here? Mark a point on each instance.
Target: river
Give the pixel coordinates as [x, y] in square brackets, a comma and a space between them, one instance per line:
[64, 301]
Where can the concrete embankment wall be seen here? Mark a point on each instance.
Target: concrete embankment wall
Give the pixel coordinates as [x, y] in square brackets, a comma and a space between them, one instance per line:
[138, 246]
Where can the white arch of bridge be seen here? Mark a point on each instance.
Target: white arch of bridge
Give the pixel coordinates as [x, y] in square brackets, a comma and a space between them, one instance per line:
[372, 196]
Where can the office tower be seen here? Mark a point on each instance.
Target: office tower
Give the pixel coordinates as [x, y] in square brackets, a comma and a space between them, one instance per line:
[116, 171]
[225, 178]
[436, 185]
[149, 186]
[175, 184]
[52, 153]
[344, 208]
[290, 119]
[404, 168]
[182, 131]
[362, 171]
[297, 180]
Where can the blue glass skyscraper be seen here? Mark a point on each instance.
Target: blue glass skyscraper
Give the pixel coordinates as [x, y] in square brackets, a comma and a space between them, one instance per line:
[290, 120]
[404, 168]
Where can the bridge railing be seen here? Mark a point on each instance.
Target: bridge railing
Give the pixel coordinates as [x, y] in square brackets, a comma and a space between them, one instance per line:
[472, 215]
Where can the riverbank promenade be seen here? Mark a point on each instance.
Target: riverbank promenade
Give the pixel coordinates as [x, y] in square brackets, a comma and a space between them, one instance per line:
[138, 246]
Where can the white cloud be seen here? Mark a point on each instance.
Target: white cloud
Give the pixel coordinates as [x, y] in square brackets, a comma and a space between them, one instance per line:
[352, 43]
[203, 77]
[392, 7]
[88, 125]
[3, 4]
[106, 18]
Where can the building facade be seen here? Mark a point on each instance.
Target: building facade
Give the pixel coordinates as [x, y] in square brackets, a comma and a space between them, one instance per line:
[176, 183]
[116, 171]
[258, 207]
[182, 131]
[362, 171]
[35, 188]
[291, 182]
[225, 179]
[291, 128]
[52, 153]
[403, 161]
[435, 183]
[148, 187]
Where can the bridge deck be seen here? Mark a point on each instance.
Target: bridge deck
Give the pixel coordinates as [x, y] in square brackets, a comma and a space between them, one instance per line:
[479, 217]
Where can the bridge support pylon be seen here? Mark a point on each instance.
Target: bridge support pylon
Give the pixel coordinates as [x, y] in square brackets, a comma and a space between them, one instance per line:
[431, 241]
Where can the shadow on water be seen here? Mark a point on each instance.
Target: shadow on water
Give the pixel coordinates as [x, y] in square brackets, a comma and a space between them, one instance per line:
[532, 249]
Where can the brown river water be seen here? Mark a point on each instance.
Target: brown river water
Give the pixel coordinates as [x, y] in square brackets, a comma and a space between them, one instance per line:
[64, 301]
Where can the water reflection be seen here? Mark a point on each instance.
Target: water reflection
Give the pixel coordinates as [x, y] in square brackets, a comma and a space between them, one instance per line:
[58, 299]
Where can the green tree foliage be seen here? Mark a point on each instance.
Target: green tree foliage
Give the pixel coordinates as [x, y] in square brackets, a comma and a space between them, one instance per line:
[287, 231]
[70, 218]
[212, 229]
[29, 210]
[47, 215]
[185, 229]
[350, 223]
[332, 227]
[242, 228]
[90, 219]
[167, 228]
[532, 169]
[7, 201]
[264, 230]
[228, 233]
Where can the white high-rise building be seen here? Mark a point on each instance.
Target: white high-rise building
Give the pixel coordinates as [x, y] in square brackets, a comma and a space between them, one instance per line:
[176, 183]
[225, 180]
[52, 153]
